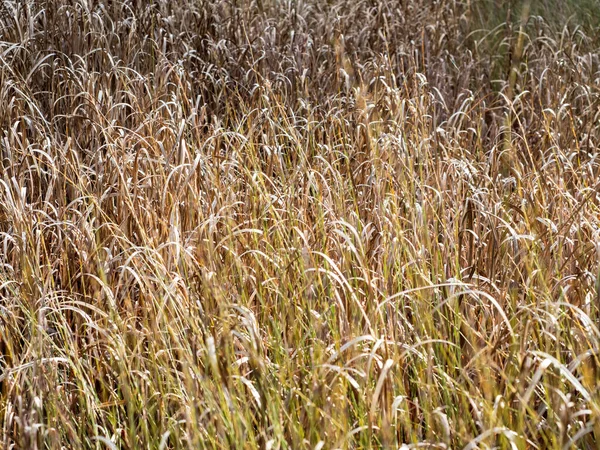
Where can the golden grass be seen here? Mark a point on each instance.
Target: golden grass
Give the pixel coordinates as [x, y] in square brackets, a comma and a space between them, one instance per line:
[297, 224]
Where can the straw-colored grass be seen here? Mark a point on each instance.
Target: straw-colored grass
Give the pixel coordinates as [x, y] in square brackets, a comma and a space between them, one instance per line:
[299, 224]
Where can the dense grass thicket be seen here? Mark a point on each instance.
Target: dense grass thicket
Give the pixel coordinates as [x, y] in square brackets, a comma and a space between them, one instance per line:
[299, 224]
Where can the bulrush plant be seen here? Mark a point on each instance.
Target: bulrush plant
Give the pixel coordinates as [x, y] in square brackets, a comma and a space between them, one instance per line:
[299, 224]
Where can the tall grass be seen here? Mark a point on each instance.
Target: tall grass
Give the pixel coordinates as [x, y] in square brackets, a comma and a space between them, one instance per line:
[297, 224]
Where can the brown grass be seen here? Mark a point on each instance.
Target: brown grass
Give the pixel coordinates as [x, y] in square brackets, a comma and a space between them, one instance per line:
[298, 224]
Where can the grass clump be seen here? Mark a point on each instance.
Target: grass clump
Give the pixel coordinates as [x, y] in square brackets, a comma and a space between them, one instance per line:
[298, 224]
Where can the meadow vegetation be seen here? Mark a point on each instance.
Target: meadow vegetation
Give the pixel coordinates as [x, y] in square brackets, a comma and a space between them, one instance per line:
[299, 224]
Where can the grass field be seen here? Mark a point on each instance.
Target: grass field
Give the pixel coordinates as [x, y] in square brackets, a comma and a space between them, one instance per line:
[299, 224]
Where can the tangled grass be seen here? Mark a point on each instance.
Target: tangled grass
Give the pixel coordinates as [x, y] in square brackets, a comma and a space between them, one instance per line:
[299, 224]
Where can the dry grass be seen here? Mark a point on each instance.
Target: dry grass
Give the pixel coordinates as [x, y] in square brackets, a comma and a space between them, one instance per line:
[298, 224]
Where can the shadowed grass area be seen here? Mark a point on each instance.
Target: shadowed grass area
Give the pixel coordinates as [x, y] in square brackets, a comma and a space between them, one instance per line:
[557, 14]
[298, 224]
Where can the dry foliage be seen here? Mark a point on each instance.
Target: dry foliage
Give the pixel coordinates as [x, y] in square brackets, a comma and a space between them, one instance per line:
[298, 224]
